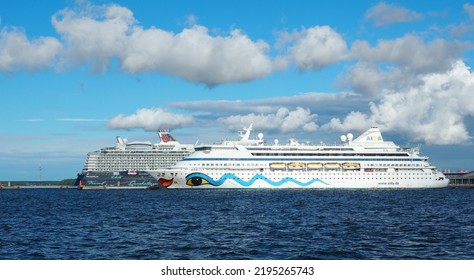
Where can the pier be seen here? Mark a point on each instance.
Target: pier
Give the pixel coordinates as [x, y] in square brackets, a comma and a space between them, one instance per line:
[460, 178]
[63, 184]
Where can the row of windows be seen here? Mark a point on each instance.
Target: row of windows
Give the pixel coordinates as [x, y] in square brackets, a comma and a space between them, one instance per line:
[313, 159]
[106, 153]
[335, 174]
[130, 157]
[262, 165]
[133, 161]
[331, 155]
[299, 148]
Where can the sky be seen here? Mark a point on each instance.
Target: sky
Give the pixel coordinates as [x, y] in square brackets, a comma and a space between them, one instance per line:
[76, 74]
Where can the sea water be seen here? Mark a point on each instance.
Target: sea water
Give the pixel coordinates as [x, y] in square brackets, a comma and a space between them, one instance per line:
[58, 224]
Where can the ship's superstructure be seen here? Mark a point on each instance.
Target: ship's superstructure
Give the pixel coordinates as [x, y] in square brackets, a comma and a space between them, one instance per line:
[126, 164]
[365, 162]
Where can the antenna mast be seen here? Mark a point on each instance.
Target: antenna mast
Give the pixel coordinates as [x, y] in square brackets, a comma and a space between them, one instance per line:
[40, 171]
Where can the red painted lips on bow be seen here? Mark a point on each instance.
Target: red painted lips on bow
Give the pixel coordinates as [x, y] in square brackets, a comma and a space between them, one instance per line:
[165, 183]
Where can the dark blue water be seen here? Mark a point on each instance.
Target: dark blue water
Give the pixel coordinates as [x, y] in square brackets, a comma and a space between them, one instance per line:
[237, 224]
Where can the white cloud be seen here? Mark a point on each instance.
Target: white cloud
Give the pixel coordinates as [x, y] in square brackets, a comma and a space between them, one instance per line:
[191, 20]
[17, 52]
[94, 34]
[34, 120]
[317, 47]
[366, 78]
[464, 27]
[399, 63]
[433, 111]
[356, 121]
[459, 30]
[150, 119]
[224, 107]
[384, 14]
[326, 104]
[283, 120]
[97, 34]
[196, 56]
[411, 51]
[469, 8]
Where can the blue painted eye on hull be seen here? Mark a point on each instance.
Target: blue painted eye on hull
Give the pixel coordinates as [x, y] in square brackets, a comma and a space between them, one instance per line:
[197, 179]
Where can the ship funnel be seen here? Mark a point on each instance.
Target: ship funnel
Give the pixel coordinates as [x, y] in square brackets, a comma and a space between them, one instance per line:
[165, 136]
[371, 135]
[120, 143]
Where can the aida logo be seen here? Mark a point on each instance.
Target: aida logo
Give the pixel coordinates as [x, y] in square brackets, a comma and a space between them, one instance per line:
[374, 138]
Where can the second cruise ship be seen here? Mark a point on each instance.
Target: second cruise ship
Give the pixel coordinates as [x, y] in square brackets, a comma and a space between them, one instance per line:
[126, 164]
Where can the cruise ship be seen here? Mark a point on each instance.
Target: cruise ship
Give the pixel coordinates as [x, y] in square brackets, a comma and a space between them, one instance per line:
[127, 164]
[367, 161]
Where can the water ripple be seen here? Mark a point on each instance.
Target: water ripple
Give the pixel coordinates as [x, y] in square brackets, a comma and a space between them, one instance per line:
[237, 224]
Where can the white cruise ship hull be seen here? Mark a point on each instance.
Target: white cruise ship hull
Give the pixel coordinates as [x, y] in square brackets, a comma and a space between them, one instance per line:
[365, 162]
[303, 180]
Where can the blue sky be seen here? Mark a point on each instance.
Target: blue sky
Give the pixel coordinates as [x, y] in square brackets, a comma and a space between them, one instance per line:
[75, 74]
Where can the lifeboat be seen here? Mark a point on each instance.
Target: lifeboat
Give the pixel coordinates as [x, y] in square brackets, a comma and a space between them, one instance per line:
[296, 165]
[278, 165]
[351, 165]
[314, 165]
[332, 165]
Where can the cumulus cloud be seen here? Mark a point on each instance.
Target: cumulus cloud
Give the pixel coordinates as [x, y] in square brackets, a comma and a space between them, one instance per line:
[367, 78]
[353, 121]
[17, 52]
[93, 34]
[383, 14]
[317, 47]
[196, 56]
[411, 51]
[433, 111]
[397, 64]
[283, 120]
[97, 34]
[150, 119]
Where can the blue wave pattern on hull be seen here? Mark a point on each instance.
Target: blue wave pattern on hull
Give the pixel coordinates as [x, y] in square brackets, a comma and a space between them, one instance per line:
[199, 179]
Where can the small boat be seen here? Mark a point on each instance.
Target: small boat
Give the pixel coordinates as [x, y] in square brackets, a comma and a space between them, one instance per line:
[91, 187]
[314, 165]
[296, 165]
[278, 165]
[351, 165]
[332, 165]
